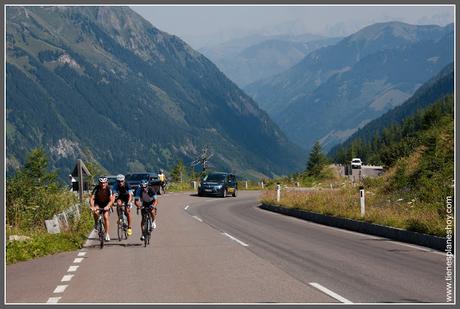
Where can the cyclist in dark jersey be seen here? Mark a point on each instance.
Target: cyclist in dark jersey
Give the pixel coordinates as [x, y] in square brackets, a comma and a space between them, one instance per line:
[101, 199]
[123, 195]
[146, 196]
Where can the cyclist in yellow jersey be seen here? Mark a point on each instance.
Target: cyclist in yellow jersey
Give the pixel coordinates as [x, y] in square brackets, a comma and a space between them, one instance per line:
[162, 178]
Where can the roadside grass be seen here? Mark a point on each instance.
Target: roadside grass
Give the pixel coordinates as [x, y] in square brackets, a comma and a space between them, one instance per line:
[179, 187]
[329, 178]
[383, 209]
[252, 185]
[41, 243]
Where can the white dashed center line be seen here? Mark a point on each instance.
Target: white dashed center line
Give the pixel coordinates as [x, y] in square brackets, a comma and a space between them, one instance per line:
[73, 268]
[78, 260]
[186, 207]
[196, 218]
[330, 293]
[236, 239]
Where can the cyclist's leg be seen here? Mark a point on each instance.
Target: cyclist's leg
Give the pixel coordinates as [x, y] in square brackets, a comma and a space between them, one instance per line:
[128, 214]
[142, 219]
[106, 220]
[95, 215]
[119, 203]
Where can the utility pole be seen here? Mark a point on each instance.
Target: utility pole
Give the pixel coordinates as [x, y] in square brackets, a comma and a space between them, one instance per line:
[203, 159]
[80, 180]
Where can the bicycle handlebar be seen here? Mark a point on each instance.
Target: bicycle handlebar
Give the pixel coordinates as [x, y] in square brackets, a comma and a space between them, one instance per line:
[142, 207]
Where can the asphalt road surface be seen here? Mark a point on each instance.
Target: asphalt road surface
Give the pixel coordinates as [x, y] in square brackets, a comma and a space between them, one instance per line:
[215, 250]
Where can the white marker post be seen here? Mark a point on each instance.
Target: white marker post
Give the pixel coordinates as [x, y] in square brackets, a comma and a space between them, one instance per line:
[246, 184]
[278, 193]
[363, 205]
[262, 184]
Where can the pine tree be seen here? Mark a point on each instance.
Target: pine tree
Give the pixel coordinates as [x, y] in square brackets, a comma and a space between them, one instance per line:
[316, 161]
[36, 168]
[178, 172]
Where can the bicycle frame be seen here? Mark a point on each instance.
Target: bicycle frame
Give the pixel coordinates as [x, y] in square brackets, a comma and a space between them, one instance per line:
[147, 226]
[122, 222]
[100, 227]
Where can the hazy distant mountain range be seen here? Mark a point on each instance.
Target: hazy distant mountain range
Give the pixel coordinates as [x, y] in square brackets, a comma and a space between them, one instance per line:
[103, 84]
[337, 89]
[251, 58]
[439, 86]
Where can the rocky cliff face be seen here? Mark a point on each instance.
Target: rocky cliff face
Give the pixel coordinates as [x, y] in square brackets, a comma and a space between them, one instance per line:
[103, 84]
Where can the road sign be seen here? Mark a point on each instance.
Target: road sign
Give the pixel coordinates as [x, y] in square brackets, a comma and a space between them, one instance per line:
[78, 171]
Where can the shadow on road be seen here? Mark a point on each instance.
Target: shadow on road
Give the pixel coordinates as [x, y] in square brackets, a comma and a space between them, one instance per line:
[206, 196]
[113, 244]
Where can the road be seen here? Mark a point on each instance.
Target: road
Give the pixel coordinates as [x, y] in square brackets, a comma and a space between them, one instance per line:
[214, 250]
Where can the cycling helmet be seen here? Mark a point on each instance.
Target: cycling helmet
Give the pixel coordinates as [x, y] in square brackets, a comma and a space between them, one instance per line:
[102, 179]
[120, 177]
[144, 183]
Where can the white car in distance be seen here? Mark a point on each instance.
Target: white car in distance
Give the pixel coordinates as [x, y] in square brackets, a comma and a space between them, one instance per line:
[356, 163]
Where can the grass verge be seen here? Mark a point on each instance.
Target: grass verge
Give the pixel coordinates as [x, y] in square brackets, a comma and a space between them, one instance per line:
[179, 187]
[41, 243]
[380, 209]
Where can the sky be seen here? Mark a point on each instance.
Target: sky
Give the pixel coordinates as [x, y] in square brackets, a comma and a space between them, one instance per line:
[208, 25]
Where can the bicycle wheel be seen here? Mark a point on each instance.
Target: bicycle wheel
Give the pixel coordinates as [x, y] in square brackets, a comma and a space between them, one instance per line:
[125, 226]
[145, 231]
[101, 234]
[150, 230]
[119, 230]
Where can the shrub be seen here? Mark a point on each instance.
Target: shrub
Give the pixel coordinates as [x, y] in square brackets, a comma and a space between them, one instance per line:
[33, 194]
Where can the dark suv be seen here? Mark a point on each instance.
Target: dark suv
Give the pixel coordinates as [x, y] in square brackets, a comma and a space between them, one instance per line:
[220, 184]
[135, 180]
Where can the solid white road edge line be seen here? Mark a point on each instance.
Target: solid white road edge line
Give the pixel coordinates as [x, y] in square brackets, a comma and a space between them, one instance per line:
[53, 300]
[197, 218]
[236, 239]
[330, 293]
[60, 288]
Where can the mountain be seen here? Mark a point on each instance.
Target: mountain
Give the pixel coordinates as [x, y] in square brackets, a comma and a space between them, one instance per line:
[104, 85]
[337, 89]
[256, 57]
[433, 90]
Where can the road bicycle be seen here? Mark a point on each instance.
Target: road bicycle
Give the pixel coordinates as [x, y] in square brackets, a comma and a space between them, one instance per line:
[100, 226]
[163, 186]
[122, 222]
[147, 227]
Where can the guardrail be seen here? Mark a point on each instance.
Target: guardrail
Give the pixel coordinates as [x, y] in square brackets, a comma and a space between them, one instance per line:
[434, 242]
[61, 221]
